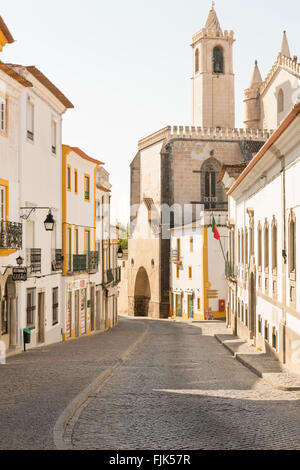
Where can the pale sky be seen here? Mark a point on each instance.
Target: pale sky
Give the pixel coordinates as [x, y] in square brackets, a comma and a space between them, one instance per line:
[127, 65]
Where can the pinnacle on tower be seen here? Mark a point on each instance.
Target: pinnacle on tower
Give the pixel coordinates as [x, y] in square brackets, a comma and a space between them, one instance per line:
[212, 23]
[285, 50]
[256, 79]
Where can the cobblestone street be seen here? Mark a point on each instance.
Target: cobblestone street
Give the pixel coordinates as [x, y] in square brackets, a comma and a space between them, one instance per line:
[180, 389]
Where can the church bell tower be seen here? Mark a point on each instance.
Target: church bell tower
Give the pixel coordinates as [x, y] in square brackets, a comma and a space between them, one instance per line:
[213, 77]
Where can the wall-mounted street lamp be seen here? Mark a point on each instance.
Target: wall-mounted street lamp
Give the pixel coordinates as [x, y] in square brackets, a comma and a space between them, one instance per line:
[19, 261]
[49, 222]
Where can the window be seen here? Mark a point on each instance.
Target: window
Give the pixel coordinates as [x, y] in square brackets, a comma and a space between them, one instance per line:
[190, 272]
[191, 244]
[259, 246]
[76, 181]
[31, 307]
[266, 331]
[239, 246]
[292, 245]
[274, 246]
[3, 114]
[239, 308]
[68, 178]
[242, 246]
[197, 60]
[198, 303]
[53, 136]
[218, 60]
[246, 247]
[280, 101]
[76, 240]
[55, 306]
[30, 119]
[69, 249]
[260, 324]
[87, 241]
[3, 201]
[86, 188]
[266, 246]
[274, 338]
[211, 192]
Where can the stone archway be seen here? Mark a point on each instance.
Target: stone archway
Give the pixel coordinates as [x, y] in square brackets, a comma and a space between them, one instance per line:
[142, 294]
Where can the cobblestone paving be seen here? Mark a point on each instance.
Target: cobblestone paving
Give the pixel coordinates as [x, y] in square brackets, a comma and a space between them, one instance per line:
[37, 386]
[182, 390]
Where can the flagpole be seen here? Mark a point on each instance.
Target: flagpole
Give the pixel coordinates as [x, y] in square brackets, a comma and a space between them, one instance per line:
[220, 241]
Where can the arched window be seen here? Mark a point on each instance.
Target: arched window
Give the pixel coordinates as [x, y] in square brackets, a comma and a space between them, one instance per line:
[218, 60]
[212, 193]
[197, 61]
[280, 101]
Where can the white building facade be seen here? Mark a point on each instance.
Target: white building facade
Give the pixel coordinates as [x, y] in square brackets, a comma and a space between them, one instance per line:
[197, 271]
[263, 282]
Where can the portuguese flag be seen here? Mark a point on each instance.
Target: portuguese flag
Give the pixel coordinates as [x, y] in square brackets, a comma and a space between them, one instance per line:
[215, 230]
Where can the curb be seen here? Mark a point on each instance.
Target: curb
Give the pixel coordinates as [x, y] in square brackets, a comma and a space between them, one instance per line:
[75, 405]
[239, 357]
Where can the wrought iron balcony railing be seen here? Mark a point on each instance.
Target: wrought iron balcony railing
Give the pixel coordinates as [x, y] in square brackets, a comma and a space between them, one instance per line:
[108, 276]
[231, 271]
[57, 260]
[34, 259]
[79, 263]
[93, 260]
[10, 235]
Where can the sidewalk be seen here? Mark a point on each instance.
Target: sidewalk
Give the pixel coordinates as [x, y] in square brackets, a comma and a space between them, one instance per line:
[263, 365]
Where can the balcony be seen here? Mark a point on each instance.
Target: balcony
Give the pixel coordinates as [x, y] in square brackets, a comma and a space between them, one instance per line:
[231, 271]
[93, 260]
[108, 276]
[57, 260]
[84, 262]
[34, 259]
[10, 235]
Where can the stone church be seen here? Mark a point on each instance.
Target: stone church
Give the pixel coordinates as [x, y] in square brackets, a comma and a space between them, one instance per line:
[176, 169]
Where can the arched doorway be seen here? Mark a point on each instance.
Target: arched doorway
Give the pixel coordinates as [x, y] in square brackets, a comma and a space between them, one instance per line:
[142, 294]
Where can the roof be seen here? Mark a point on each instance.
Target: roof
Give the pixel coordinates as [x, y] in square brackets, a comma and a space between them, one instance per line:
[50, 86]
[83, 155]
[6, 31]
[46, 82]
[280, 130]
[233, 171]
[15, 75]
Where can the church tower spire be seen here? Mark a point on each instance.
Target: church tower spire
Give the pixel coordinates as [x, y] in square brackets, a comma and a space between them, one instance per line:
[285, 49]
[252, 102]
[213, 77]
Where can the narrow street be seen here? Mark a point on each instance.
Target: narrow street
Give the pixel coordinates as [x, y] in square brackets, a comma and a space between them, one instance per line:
[180, 389]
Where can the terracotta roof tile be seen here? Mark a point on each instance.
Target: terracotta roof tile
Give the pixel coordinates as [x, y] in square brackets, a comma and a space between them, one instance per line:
[84, 155]
[15, 75]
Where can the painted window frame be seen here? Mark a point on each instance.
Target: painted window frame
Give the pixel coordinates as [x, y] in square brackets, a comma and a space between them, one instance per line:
[4, 109]
[87, 177]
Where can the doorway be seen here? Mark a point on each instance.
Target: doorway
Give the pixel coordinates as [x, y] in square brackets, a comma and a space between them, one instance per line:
[41, 318]
[77, 313]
